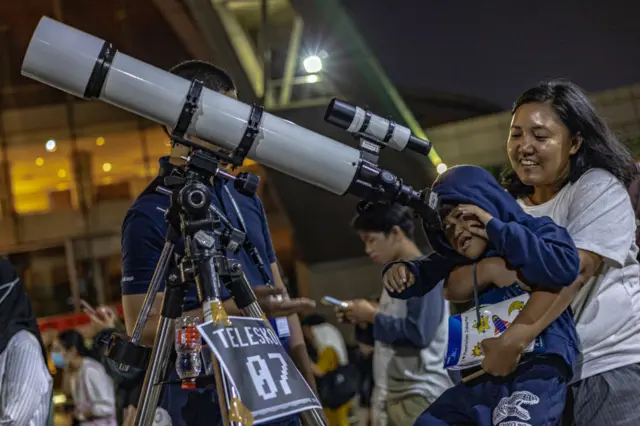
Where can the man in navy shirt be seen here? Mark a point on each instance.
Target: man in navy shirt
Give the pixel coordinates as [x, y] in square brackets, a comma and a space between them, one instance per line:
[143, 237]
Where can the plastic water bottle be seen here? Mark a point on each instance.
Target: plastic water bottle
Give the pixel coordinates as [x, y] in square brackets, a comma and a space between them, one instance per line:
[188, 345]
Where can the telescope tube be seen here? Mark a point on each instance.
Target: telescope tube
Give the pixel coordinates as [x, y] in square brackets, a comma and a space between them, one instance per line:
[88, 67]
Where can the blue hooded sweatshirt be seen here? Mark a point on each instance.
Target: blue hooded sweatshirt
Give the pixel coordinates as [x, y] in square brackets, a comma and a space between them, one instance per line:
[540, 250]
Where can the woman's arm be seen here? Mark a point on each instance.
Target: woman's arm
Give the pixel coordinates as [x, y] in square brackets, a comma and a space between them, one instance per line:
[545, 306]
[502, 354]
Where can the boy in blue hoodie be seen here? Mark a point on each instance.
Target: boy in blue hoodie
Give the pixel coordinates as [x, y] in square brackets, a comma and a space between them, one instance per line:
[482, 221]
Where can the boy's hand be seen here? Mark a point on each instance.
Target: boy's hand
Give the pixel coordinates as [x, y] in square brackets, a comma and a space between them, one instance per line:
[398, 278]
[471, 210]
[474, 212]
[501, 355]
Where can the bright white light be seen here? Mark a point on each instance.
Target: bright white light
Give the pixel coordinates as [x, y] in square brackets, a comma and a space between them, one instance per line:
[441, 168]
[312, 64]
[50, 145]
[312, 78]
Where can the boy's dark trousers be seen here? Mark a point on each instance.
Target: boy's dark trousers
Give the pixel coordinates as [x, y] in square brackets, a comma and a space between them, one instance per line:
[533, 395]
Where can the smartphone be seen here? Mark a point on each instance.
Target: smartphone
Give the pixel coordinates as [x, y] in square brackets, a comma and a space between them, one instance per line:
[331, 301]
[87, 307]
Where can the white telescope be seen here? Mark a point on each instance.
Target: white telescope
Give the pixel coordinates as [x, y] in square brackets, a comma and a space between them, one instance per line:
[88, 67]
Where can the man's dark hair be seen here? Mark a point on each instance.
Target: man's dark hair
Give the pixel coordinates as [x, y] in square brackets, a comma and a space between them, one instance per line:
[600, 148]
[383, 217]
[213, 77]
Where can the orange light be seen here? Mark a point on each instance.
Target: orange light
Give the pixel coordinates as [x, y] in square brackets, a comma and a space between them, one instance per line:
[39, 161]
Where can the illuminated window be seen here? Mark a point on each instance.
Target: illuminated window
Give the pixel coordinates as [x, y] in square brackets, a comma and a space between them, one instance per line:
[35, 159]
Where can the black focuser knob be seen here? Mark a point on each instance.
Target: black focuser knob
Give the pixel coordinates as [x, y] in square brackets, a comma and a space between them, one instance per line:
[247, 183]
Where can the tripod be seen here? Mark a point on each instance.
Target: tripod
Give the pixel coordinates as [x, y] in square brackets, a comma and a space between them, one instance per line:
[191, 216]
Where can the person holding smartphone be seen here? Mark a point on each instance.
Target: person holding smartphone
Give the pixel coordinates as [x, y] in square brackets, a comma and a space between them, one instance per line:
[410, 337]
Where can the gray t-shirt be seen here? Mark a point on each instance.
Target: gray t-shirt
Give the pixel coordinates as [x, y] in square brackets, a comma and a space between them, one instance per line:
[410, 345]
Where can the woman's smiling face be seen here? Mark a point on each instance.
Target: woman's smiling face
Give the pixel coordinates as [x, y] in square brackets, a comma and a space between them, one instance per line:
[539, 145]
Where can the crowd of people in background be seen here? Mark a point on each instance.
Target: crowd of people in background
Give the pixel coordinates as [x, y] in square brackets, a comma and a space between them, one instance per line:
[562, 230]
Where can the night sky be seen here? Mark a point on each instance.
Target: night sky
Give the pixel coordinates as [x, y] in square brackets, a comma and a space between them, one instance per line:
[495, 49]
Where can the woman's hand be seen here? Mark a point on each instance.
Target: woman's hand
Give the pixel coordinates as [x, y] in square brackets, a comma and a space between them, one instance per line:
[398, 278]
[501, 355]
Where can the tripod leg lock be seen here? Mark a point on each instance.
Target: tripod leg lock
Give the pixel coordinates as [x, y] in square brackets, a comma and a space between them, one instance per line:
[237, 284]
[174, 294]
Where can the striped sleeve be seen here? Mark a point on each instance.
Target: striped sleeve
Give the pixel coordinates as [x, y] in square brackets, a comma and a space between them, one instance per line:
[26, 385]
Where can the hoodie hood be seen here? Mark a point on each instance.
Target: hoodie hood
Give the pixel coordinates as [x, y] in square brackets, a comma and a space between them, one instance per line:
[472, 185]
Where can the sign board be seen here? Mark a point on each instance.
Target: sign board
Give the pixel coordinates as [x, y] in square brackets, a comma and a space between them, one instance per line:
[259, 368]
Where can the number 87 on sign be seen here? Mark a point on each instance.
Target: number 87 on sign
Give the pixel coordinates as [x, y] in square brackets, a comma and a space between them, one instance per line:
[259, 368]
[263, 380]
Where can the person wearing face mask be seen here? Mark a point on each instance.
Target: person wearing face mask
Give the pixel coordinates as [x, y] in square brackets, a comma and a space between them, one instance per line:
[91, 388]
[25, 382]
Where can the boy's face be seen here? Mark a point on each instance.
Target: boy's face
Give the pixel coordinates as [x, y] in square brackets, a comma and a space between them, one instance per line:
[380, 247]
[461, 233]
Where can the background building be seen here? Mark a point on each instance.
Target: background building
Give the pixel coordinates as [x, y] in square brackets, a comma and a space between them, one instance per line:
[71, 168]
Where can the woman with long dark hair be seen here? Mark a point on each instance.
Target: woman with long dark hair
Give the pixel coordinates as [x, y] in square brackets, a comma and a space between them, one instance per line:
[568, 165]
[91, 388]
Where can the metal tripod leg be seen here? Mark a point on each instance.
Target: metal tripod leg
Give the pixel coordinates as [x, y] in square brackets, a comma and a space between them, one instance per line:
[172, 303]
[240, 289]
[228, 396]
[158, 275]
[158, 363]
